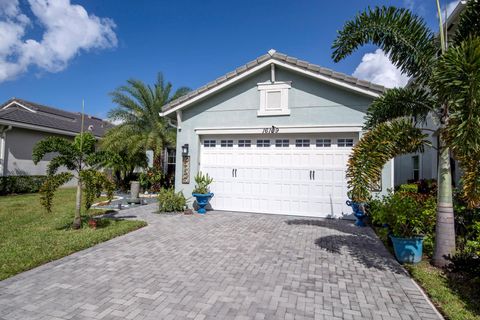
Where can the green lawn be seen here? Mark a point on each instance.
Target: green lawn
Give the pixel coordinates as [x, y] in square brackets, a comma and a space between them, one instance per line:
[456, 299]
[30, 237]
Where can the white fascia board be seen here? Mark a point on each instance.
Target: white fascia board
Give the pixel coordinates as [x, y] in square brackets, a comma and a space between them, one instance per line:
[20, 105]
[321, 77]
[217, 88]
[282, 129]
[39, 128]
[264, 64]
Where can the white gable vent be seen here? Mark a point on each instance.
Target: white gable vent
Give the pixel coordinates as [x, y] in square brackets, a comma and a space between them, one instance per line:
[274, 98]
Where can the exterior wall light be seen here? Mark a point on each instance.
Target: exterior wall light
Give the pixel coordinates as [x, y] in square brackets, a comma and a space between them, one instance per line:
[185, 149]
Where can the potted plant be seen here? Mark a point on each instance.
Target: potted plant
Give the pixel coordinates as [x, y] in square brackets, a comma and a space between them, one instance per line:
[408, 217]
[358, 212]
[201, 192]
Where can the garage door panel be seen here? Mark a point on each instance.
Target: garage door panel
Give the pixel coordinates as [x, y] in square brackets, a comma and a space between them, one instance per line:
[278, 179]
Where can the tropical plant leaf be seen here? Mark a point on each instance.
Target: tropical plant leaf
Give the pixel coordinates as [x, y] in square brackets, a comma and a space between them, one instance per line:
[457, 82]
[142, 128]
[52, 144]
[469, 24]
[402, 35]
[415, 103]
[376, 147]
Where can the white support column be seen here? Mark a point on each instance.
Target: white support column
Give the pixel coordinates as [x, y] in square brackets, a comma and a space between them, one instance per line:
[2, 153]
[3, 138]
[179, 119]
[272, 69]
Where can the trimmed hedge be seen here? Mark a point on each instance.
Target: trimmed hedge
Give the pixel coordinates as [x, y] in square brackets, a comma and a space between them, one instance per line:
[21, 184]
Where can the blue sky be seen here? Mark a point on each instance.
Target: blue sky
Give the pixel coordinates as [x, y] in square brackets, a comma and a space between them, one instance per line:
[191, 42]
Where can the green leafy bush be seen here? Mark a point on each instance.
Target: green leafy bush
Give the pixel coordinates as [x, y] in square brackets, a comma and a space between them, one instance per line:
[152, 179]
[171, 201]
[202, 182]
[409, 187]
[94, 182]
[21, 184]
[47, 190]
[406, 214]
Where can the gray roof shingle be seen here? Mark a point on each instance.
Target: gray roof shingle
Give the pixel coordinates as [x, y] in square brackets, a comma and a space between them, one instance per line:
[53, 118]
[272, 54]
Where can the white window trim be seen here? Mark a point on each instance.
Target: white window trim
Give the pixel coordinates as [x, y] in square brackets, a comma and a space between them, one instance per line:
[420, 173]
[264, 89]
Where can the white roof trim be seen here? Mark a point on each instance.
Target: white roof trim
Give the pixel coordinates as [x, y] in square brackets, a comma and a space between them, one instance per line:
[216, 88]
[282, 129]
[14, 102]
[39, 128]
[268, 62]
[321, 77]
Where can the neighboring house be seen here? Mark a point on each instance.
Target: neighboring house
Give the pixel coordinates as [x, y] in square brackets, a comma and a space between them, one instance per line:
[412, 167]
[275, 135]
[24, 123]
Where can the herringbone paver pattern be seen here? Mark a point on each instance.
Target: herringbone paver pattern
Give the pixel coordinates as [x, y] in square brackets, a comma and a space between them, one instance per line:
[222, 266]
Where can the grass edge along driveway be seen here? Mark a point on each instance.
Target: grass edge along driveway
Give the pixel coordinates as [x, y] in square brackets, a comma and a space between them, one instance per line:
[29, 236]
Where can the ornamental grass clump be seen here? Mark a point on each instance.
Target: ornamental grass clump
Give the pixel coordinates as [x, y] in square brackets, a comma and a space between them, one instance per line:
[171, 201]
[202, 182]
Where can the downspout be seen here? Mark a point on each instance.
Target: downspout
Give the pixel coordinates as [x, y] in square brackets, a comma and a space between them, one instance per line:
[3, 137]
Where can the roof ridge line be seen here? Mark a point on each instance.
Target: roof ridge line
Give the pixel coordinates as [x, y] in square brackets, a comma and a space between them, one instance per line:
[283, 58]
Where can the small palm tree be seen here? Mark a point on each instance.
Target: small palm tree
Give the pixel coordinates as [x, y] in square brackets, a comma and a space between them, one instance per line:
[80, 157]
[138, 109]
[445, 85]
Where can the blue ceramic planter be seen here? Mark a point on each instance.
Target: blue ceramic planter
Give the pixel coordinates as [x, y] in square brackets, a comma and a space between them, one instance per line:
[202, 201]
[357, 212]
[408, 250]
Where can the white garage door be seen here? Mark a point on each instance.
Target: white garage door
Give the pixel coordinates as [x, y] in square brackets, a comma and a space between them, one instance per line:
[289, 174]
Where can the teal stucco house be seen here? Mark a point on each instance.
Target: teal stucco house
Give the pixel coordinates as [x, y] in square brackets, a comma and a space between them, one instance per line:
[275, 135]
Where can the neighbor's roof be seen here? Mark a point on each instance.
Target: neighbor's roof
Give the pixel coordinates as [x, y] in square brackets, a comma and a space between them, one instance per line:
[43, 118]
[286, 61]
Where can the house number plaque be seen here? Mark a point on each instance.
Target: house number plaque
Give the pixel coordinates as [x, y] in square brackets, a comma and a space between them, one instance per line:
[270, 130]
[186, 169]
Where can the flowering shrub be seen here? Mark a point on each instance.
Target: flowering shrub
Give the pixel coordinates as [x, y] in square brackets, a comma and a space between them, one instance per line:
[152, 179]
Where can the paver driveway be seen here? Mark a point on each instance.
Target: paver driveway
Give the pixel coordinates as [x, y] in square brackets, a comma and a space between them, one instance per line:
[223, 266]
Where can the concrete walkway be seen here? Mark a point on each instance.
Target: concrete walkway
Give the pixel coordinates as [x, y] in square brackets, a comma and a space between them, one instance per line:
[222, 266]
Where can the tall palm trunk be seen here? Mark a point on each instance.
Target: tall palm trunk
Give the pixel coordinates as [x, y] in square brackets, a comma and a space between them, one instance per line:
[445, 227]
[77, 220]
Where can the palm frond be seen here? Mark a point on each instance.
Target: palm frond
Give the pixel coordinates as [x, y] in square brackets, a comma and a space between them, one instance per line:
[376, 147]
[415, 103]
[124, 101]
[122, 114]
[457, 83]
[469, 24]
[402, 35]
[180, 92]
[48, 145]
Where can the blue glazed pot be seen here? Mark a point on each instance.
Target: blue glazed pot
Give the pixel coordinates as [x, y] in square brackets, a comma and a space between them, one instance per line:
[202, 201]
[357, 212]
[408, 250]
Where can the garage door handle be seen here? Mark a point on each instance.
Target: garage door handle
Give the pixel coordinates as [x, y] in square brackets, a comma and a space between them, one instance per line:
[310, 174]
[235, 173]
[313, 174]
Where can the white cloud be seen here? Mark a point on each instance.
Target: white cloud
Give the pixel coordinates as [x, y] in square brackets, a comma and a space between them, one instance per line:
[68, 30]
[377, 68]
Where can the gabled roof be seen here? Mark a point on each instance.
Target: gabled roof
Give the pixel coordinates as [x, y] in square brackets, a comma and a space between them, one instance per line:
[26, 114]
[280, 59]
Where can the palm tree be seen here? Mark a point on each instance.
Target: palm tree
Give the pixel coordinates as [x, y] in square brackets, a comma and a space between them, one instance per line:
[124, 163]
[79, 156]
[444, 85]
[142, 128]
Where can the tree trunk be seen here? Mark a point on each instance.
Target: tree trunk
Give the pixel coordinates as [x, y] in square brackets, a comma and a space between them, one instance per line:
[77, 221]
[445, 226]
